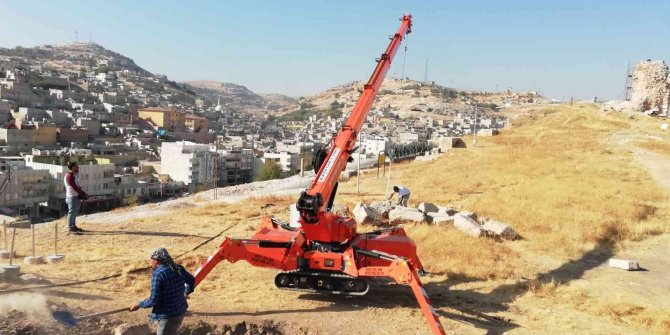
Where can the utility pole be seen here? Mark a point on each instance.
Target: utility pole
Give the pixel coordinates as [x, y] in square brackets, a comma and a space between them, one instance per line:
[474, 125]
[358, 169]
[404, 57]
[388, 181]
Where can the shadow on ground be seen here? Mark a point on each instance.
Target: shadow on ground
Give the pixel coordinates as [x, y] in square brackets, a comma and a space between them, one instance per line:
[465, 306]
[141, 233]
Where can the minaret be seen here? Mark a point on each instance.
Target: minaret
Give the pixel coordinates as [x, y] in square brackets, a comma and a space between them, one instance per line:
[218, 105]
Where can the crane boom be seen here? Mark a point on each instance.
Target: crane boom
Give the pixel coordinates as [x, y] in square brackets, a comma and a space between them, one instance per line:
[326, 254]
[313, 202]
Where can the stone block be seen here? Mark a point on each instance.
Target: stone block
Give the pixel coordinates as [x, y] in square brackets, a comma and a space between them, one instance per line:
[362, 214]
[11, 271]
[427, 207]
[403, 214]
[382, 208]
[4, 254]
[440, 219]
[468, 214]
[54, 259]
[467, 225]
[341, 210]
[30, 260]
[496, 228]
[624, 264]
[448, 210]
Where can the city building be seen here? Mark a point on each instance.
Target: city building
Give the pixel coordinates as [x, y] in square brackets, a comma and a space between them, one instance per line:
[239, 166]
[22, 189]
[288, 161]
[164, 118]
[96, 179]
[196, 124]
[191, 163]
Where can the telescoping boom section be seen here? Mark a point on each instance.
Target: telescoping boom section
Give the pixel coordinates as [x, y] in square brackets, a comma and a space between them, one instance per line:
[326, 254]
[312, 203]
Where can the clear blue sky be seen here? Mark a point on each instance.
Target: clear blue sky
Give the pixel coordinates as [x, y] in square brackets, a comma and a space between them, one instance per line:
[563, 48]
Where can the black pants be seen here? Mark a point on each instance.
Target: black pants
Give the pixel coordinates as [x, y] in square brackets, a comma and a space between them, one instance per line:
[169, 326]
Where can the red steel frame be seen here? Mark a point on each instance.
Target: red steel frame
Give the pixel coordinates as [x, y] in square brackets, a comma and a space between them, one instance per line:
[388, 253]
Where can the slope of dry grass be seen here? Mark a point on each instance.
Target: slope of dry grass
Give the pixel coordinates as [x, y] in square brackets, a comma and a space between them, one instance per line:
[553, 177]
[550, 177]
[661, 147]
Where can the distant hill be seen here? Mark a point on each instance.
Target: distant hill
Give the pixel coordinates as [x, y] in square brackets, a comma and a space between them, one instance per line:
[238, 96]
[404, 98]
[77, 56]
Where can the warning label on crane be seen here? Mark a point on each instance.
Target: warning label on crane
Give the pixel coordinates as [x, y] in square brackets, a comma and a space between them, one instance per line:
[329, 165]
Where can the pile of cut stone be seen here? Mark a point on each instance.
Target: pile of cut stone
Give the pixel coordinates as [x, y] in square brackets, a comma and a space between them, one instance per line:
[383, 213]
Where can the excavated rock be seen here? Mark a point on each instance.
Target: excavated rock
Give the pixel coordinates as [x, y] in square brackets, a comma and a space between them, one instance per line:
[382, 208]
[448, 210]
[499, 229]
[471, 215]
[467, 225]
[363, 214]
[404, 214]
[428, 207]
[342, 211]
[440, 219]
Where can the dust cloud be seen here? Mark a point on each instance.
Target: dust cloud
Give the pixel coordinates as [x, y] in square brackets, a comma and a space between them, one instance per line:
[34, 306]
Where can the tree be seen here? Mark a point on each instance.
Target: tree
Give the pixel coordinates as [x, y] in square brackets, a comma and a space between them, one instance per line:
[102, 69]
[270, 170]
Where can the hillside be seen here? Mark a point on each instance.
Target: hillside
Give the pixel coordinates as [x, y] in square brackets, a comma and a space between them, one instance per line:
[74, 56]
[570, 180]
[238, 96]
[407, 98]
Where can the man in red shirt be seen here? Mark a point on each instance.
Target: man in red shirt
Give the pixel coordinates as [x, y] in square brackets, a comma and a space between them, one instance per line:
[73, 197]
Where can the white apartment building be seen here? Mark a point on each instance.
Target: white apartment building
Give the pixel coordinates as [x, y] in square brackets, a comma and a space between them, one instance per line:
[289, 162]
[374, 145]
[95, 179]
[23, 188]
[191, 163]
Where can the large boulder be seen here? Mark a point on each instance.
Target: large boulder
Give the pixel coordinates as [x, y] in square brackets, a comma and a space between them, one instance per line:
[382, 208]
[363, 214]
[467, 225]
[341, 210]
[404, 214]
[440, 219]
[499, 229]
[427, 207]
[468, 214]
[448, 210]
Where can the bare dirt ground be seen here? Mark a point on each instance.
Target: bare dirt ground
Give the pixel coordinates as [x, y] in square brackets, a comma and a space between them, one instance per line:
[538, 285]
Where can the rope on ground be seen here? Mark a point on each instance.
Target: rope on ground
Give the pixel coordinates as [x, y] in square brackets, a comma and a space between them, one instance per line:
[116, 275]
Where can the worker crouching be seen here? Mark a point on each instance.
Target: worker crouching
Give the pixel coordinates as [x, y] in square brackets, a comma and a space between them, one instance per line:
[170, 286]
[403, 195]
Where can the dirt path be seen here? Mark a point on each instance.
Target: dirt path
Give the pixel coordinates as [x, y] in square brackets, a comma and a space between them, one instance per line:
[648, 288]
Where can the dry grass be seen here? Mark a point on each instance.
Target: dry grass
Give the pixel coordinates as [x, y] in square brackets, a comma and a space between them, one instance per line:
[552, 177]
[658, 146]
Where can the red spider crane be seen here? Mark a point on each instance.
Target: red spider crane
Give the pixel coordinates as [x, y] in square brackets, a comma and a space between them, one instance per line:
[326, 254]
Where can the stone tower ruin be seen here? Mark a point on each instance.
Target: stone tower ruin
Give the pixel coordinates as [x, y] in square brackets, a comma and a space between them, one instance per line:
[650, 92]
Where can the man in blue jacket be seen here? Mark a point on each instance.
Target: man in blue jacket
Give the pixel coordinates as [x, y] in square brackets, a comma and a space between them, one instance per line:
[170, 286]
